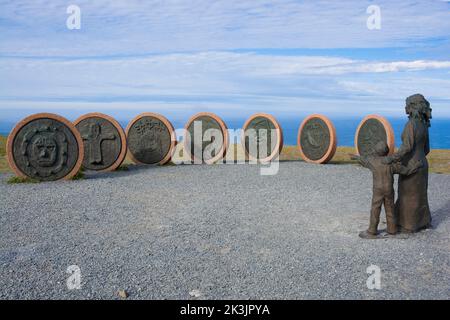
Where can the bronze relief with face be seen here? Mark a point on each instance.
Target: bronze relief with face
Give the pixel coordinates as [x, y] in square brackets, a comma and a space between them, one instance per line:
[45, 148]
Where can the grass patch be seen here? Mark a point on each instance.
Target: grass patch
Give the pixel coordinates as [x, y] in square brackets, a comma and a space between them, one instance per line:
[342, 156]
[78, 176]
[169, 164]
[439, 161]
[123, 167]
[2, 146]
[4, 167]
[17, 180]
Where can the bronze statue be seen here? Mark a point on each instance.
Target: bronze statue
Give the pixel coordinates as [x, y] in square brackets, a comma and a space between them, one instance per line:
[412, 211]
[383, 186]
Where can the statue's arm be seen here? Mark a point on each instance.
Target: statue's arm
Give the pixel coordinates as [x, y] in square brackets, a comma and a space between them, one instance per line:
[407, 144]
[427, 144]
[406, 170]
[364, 161]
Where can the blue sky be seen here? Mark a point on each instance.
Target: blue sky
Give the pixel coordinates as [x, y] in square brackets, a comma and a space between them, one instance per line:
[234, 58]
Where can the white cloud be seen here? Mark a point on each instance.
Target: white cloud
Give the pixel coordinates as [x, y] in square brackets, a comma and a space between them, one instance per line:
[117, 38]
[37, 27]
[217, 79]
[381, 67]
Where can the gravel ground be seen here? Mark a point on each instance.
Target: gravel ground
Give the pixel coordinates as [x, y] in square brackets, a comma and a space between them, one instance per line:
[215, 232]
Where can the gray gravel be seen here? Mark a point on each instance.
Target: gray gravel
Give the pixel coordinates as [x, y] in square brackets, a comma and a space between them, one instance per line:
[215, 232]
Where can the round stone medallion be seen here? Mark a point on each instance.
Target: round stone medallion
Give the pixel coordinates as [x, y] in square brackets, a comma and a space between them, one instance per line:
[45, 147]
[151, 139]
[262, 137]
[105, 143]
[317, 139]
[206, 138]
[371, 130]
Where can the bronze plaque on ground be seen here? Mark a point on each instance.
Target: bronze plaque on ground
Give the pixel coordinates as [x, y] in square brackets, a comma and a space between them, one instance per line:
[151, 139]
[372, 130]
[105, 144]
[317, 139]
[45, 147]
[262, 137]
[206, 138]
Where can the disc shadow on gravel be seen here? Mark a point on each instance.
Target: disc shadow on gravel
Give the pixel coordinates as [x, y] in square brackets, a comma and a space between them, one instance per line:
[130, 170]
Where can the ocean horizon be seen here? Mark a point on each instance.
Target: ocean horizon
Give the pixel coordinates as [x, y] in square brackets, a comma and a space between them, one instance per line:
[345, 129]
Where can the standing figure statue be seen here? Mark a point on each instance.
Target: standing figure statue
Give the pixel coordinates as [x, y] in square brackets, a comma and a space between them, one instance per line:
[412, 211]
[383, 186]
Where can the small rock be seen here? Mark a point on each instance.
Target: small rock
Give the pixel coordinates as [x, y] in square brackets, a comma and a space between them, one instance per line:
[195, 293]
[123, 294]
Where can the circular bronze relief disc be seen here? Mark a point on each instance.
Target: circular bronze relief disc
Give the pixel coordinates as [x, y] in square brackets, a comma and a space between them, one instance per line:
[262, 137]
[200, 141]
[371, 130]
[45, 147]
[151, 139]
[105, 143]
[317, 139]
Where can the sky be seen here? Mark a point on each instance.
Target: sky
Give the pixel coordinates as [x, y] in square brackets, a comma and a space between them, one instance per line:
[232, 57]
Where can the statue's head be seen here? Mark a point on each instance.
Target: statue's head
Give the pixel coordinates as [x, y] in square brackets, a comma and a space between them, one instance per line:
[43, 149]
[418, 107]
[381, 149]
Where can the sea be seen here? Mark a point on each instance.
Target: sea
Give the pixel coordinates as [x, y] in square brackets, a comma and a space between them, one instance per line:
[345, 129]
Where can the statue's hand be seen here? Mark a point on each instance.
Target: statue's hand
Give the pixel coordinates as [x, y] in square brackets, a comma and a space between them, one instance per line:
[388, 160]
[419, 163]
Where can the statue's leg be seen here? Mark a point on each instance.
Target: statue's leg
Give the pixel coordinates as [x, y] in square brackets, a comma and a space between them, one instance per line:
[377, 202]
[390, 217]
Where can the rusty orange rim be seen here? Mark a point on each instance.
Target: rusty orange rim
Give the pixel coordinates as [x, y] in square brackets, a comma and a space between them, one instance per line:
[223, 128]
[279, 145]
[168, 124]
[123, 138]
[52, 116]
[333, 139]
[387, 127]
